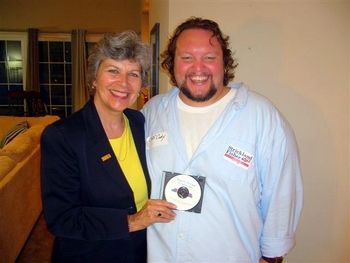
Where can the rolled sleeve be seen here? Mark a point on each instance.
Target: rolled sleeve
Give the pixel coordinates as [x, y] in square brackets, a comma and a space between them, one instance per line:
[276, 247]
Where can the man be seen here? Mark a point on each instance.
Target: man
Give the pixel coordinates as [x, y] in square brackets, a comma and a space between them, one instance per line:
[229, 148]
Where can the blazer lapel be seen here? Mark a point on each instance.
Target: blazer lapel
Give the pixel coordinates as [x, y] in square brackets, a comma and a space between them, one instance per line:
[137, 128]
[100, 149]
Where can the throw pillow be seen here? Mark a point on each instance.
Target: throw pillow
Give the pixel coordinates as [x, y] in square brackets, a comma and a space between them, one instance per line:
[13, 132]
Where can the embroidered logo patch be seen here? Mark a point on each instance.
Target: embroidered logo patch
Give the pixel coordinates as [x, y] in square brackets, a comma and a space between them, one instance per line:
[239, 157]
[157, 139]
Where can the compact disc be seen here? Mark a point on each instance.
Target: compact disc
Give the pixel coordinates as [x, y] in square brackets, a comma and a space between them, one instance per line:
[184, 191]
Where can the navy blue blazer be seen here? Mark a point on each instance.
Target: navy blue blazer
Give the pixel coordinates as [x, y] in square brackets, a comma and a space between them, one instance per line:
[86, 197]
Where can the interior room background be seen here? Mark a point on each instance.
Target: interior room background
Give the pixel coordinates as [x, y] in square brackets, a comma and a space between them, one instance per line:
[295, 52]
[59, 25]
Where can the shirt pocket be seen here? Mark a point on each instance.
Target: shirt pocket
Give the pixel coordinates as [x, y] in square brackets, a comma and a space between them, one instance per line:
[237, 159]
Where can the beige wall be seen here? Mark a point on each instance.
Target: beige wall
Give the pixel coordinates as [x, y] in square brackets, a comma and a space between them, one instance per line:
[159, 13]
[96, 16]
[297, 54]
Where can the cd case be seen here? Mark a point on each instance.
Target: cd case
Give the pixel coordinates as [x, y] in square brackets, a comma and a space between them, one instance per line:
[185, 191]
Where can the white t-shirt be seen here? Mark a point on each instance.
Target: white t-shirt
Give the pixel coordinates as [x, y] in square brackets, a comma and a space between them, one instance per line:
[196, 121]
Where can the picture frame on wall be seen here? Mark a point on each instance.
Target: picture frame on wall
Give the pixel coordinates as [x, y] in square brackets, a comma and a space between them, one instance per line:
[154, 72]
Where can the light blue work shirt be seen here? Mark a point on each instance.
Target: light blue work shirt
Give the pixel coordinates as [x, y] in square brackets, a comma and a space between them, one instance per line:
[253, 193]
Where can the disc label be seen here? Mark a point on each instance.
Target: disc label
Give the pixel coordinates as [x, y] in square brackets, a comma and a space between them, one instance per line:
[185, 191]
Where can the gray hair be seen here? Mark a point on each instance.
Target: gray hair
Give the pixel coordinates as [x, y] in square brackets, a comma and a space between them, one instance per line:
[119, 46]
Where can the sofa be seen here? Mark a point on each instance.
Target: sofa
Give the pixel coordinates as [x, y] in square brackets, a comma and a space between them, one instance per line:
[20, 195]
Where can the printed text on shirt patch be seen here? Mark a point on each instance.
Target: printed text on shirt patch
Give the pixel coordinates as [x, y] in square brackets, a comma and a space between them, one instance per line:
[239, 157]
[158, 139]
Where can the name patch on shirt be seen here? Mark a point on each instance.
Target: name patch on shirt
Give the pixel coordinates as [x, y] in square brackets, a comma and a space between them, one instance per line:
[239, 157]
[158, 139]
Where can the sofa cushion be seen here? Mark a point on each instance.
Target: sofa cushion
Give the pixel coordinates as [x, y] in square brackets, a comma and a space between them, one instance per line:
[20, 147]
[13, 132]
[35, 132]
[6, 164]
[43, 120]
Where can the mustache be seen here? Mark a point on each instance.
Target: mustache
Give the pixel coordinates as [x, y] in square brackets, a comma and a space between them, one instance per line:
[196, 74]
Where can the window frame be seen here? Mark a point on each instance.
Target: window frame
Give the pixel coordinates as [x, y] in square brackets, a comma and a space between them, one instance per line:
[56, 37]
[23, 37]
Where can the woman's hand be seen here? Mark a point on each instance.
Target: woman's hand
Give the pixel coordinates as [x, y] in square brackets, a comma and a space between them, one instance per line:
[154, 211]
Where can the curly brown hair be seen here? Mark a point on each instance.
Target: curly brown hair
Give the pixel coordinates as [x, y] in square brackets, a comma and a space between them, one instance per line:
[196, 22]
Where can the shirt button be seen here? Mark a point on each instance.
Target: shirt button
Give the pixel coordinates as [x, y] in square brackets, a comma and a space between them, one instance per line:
[181, 236]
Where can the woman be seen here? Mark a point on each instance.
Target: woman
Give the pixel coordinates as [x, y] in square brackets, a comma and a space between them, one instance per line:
[95, 183]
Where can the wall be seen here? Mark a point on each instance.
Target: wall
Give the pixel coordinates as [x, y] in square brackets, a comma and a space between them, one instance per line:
[297, 54]
[96, 16]
[159, 13]
[349, 123]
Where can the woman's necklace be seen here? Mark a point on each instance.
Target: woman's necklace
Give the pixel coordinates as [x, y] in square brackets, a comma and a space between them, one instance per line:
[124, 146]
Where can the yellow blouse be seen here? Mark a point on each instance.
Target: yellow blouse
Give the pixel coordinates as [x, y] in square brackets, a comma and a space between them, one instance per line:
[125, 150]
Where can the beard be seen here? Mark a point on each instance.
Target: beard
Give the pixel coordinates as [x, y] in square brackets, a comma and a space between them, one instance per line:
[198, 98]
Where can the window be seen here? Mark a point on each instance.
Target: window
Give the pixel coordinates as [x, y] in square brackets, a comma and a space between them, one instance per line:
[12, 72]
[91, 40]
[55, 66]
[55, 73]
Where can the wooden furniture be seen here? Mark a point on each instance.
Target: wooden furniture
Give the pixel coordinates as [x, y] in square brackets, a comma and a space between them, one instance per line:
[32, 100]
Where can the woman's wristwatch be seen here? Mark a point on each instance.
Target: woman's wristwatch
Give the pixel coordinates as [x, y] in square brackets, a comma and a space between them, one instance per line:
[273, 260]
